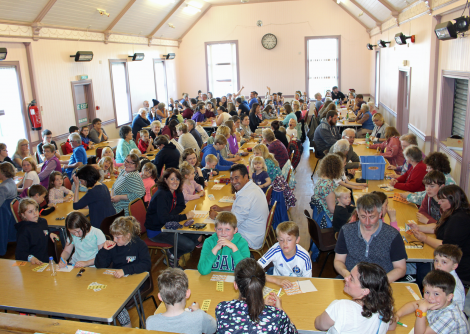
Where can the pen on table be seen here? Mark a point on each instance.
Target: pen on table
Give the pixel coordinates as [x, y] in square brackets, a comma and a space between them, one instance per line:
[63, 260]
[399, 323]
[279, 293]
[405, 239]
[195, 207]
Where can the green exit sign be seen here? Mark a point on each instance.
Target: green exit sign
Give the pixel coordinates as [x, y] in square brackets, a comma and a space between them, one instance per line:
[83, 77]
[82, 106]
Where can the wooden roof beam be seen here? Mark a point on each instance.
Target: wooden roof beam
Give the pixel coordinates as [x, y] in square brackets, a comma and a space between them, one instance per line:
[120, 15]
[377, 21]
[389, 7]
[44, 11]
[175, 8]
[353, 16]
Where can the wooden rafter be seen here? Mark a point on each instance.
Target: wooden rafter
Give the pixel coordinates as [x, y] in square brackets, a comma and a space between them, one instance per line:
[175, 8]
[194, 23]
[358, 5]
[120, 15]
[353, 16]
[389, 7]
[44, 11]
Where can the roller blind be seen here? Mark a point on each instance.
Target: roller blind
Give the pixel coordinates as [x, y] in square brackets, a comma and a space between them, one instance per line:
[323, 64]
[460, 107]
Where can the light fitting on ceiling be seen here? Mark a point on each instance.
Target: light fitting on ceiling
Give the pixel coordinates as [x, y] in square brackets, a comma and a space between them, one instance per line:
[83, 56]
[382, 44]
[171, 25]
[244, 1]
[3, 53]
[360, 14]
[192, 8]
[400, 38]
[137, 57]
[102, 12]
[370, 46]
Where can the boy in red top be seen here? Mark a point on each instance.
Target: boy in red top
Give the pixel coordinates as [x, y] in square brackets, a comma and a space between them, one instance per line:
[412, 180]
[145, 144]
[67, 148]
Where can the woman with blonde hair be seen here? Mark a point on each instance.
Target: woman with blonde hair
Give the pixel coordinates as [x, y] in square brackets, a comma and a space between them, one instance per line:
[272, 165]
[225, 131]
[126, 241]
[22, 151]
[391, 147]
[30, 177]
[378, 134]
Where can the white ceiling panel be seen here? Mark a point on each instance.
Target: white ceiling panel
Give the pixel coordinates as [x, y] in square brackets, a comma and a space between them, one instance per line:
[82, 13]
[400, 4]
[375, 8]
[353, 10]
[143, 17]
[181, 21]
[21, 10]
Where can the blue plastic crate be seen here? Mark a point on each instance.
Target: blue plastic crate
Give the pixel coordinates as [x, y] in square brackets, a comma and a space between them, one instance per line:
[373, 167]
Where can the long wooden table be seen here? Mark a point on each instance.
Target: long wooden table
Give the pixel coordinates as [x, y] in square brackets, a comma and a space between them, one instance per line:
[111, 143]
[66, 295]
[303, 308]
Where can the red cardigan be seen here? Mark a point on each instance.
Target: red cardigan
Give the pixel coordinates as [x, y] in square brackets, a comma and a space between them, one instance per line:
[412, 180]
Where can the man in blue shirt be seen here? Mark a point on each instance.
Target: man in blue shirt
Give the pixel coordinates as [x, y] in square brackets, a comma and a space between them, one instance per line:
[253, 98]
[78, 157]
[242, 107]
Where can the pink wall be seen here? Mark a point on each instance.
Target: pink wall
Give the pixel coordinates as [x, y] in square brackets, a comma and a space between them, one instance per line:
[283, 68]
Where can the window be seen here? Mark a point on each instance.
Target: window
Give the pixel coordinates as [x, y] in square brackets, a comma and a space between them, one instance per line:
[160, 81]
[377, 77]
[121, 91]
[460, 107]
[323, 63]
[11, 108]
[222, 67]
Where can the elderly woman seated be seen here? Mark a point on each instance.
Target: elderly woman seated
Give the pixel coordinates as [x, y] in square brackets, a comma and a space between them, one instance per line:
[344, 146]
[364, 117]
[412, 180]
[140, 122]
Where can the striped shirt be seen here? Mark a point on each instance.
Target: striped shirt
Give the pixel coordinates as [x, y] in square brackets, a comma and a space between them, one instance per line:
[299, 265]
[129, 184]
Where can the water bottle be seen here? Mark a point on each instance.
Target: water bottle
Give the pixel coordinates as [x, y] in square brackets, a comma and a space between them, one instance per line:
[52, 265]
[367, 138]
[347, 115]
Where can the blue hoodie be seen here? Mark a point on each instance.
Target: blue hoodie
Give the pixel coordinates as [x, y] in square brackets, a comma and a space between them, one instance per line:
[222, 164]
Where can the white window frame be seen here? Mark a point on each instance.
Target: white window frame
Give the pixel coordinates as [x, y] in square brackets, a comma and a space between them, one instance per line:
[129, 100]
[236, 87]
[377, 78]
[159, 98]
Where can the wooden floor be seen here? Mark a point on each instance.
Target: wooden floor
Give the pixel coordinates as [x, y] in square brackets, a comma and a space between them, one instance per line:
[303, 192]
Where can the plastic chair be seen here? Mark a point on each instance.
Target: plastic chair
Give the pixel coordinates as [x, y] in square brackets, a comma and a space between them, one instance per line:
[106, 223]
[289, 174]
[14, 206]
[319, 155]
[153, 190]
[137, 137]
[62, 148]
[37, 157]
[324, 238]
[146, 294]
[67, 183]
[99, 153]
[202, 154]
[54, 250]
[269, 193]
[138, 210]
[268, 229]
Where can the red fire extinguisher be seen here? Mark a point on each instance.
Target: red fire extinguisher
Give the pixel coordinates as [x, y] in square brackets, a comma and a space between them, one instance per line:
[34, 116]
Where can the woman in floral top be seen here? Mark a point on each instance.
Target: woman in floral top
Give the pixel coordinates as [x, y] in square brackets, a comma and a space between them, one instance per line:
[330, 168]
[250, 313]
[274, 170]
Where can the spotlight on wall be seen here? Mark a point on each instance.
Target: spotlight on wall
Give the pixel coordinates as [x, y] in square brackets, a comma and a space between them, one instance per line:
[400, 38]
[370, 46]
[169, 56]
[382, 44]
[462, 23]
[83, 56]
[3, 53]
[448, 30]
[137, 57]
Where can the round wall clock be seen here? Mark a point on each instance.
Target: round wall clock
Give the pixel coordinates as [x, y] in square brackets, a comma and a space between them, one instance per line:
[269, 41]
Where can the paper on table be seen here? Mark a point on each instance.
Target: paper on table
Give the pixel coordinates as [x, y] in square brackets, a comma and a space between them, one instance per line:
[230, 279]
[208, 221]
[200, 213]
[307, 286]
[66, 269]
[412, 331]
[218, 186]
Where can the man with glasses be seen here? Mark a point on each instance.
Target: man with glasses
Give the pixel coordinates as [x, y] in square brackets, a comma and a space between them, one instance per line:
[97, 134]
[250, 207]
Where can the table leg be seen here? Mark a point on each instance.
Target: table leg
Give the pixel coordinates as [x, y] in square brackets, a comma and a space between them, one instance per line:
[138, 309]
[175, 247]
[142, 308]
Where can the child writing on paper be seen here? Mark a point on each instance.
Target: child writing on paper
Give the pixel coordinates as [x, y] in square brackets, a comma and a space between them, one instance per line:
[191, 190]
[447, 258]
[210, 170]
[145, 144]
[249, 311]
[260, 175]
[222, 251]
[174, 292]
[128, 253]
[288, 257]
[148, 175]
[84, 238]
[32, 234]
[442, 315]
[291, 132]
[57, 192]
